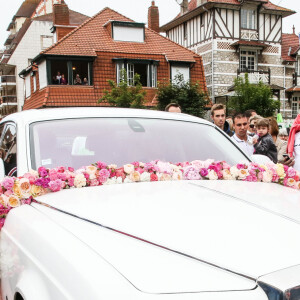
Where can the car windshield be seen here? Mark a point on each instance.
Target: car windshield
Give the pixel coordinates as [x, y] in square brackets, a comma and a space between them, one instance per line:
[80, 142]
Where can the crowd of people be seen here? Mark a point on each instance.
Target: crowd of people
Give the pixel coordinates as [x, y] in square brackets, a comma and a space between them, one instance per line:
[61, 79]
[255, 134]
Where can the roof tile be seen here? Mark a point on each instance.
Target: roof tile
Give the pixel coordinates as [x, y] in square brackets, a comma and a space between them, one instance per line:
[92, 36]
[290, 46]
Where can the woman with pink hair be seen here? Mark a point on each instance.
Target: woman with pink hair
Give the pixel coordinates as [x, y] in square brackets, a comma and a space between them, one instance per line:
[293, 147]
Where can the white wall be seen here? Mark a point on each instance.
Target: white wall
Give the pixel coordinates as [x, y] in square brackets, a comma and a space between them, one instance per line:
[43, 74]
[128, 34]
[28, 48]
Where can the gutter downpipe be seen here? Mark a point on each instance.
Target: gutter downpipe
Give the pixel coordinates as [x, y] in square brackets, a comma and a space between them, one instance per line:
[212, 61]
[284, 83]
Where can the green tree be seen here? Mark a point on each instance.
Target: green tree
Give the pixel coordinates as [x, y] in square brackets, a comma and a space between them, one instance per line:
[188, 95]
[123, 94]
[253, 96]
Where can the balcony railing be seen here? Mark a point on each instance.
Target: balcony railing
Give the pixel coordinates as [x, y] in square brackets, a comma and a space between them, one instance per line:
[256, 76]
[249, 35]
[4, 79]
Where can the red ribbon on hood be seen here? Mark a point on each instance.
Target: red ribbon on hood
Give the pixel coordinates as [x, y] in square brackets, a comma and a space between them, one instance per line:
[294, 129]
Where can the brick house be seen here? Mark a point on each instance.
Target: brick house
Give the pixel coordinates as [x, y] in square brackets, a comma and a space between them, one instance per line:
[98, 50]
[36, 25]
[234, 37]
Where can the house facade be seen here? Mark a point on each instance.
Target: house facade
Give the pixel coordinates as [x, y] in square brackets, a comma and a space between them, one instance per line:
[236, 37]
[36, 26]
[98, 50]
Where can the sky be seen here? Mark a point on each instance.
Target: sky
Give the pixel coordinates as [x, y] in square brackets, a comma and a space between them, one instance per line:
[134, 9]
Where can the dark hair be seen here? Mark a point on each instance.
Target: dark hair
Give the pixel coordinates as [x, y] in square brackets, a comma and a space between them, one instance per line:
[262, 123]
[217, 106]
[238, 116]
[249, 112]
[172, 104]
[274, 129]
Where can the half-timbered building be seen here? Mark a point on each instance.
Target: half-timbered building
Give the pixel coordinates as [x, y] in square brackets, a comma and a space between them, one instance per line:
[235, 37]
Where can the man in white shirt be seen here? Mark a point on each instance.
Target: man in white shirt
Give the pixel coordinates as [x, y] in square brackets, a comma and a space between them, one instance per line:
[240, 137]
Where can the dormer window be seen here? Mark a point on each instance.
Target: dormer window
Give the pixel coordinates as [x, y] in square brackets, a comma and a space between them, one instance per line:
[128, 31]
[248, 18]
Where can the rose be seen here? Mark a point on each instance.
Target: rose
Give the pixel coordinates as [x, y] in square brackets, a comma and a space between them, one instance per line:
[127, 180]
[79, 181]
[280, 171]
[291, 172]
[191, 173]
[129, 168]
[242, 173]
[135, 176]
[267, 176]
[36, 191]
[55, 185]
[291, 182]
[25, 187]
[207, 163]
[91, 170]
[112, 166]
[145, 177]
[212, 175]
[234, 172]
[226, 174]
[177, 176]
[164, 167]
[8, 183]
[165, 177]
[199, 164]
[103, 175]
[13, 201]
[30, 177]
[153, 177]
[42, 171]
[204, 172]
[112, 180]
[3, 200]
[101, 165]
[53, 175]
[94, 182]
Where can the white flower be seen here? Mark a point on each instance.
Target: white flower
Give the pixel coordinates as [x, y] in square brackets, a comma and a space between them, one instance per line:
[234, 172]
[212, 175]
[91, 170]
[227, 175]
[141, 164]
[243, 173]
[129, 168]
[112, 180]
[79, 181]
[127, 180]
[119, 180]
[177, 176]
[267, 176]
[112, 166]
[175, 168]
[291, 182]
[145, 177]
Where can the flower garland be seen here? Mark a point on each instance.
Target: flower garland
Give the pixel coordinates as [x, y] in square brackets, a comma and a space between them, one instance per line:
[16, 191]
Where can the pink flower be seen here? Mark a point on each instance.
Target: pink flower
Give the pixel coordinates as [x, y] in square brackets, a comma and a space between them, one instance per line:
[94, 182]
[30, 177]
[8, 183]
[140, 170]
[53, 175]
[191, 173]
[240, 166]
[203, 172]
[42, 171]
[136, 163]
[101, 165]
[71, 181]
[71, 169]
[291, 172]
[62, 176]
[120, 173]
[164, 167]
[55, 185]
[153, 177]
[103, 175]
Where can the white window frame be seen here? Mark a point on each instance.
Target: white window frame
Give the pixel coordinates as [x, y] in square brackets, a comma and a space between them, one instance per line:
[295, 107]
[248, 54]
[249, 18]
[151, 81]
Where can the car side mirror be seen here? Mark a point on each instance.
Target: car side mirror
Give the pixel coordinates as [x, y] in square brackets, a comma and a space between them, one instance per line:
[2, 169]
[260, 159]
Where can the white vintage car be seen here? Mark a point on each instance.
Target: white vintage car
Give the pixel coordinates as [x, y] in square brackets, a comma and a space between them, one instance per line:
[197, 240]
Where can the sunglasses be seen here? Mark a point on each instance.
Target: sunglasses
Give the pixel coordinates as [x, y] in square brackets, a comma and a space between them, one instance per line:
[241, 124]
[251, 125]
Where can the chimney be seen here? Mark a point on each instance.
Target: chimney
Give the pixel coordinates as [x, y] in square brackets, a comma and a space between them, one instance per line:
[153, 17]
[184, 6]
[61, 14]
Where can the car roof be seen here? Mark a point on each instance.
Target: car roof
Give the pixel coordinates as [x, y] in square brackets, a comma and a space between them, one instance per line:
[35, 115]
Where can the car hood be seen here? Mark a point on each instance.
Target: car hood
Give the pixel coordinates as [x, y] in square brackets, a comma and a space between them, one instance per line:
[246, 228]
